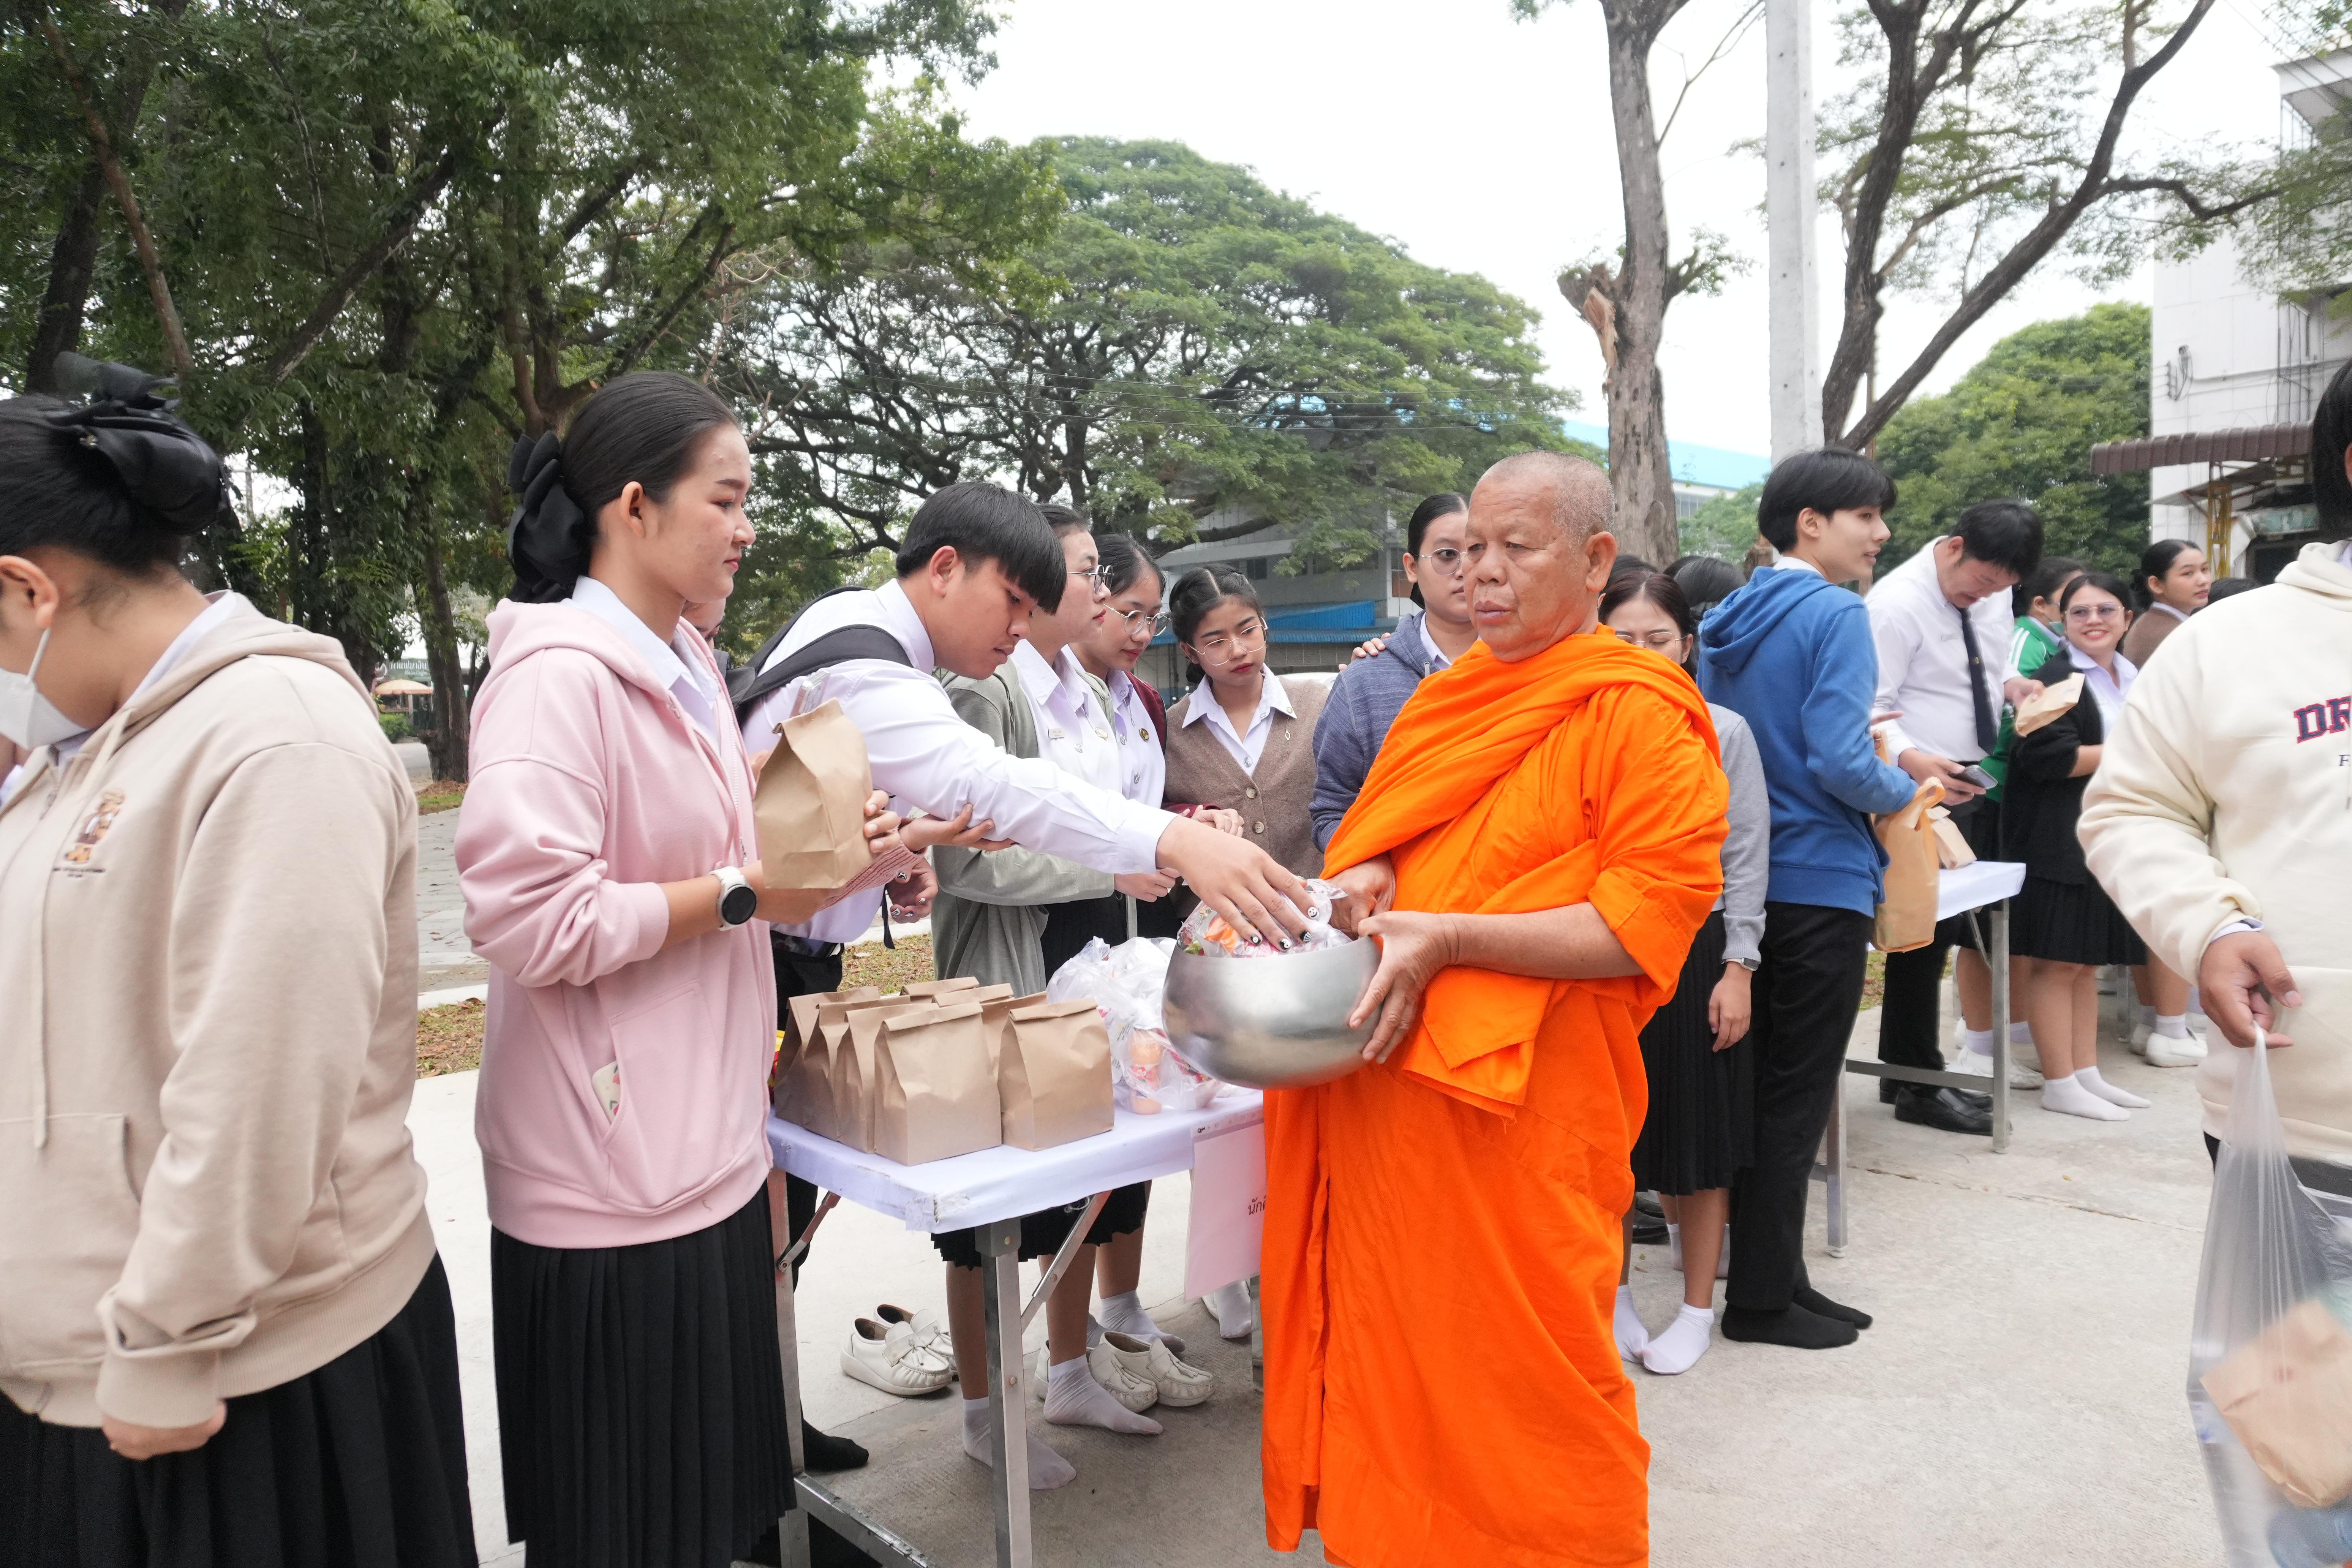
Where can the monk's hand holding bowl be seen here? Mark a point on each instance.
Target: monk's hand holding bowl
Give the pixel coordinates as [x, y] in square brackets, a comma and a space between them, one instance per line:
[1415, 946]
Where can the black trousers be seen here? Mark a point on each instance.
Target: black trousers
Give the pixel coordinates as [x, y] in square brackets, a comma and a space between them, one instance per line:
[1914, 980]
[1807, 990]
[800, 974]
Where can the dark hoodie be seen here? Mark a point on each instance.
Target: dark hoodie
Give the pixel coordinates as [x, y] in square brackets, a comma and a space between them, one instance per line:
[1792, 654]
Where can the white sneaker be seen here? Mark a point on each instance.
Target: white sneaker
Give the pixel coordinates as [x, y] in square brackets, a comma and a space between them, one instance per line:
[2140, 1033]
[890, 1359]
[929, 1333]
[1122, 1364]
[2020, 1075]
[1179, 1382]
[2163, 1051]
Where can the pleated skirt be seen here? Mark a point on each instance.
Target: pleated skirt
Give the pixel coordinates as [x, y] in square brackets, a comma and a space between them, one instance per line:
[361, 1463]
[1701, 1127]
[2071, 922]
[641, 1405]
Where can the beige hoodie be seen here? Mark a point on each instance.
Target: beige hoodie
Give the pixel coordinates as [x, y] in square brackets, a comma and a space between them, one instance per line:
[2226, 794]
[207, 1040]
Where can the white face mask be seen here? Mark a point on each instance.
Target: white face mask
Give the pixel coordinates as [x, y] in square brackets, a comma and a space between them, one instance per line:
[26, 717]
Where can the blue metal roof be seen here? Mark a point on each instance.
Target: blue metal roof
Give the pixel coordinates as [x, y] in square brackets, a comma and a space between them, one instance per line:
[1689, 462]
[1351, 622]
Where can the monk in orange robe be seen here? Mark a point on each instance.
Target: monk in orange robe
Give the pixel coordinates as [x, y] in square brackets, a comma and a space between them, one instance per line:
[1540, 835]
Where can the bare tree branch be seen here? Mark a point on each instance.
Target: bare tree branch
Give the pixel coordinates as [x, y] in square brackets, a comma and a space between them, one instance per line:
[400, 224]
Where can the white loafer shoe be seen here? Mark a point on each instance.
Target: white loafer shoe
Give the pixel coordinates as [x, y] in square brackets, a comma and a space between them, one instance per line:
[890, 1359]
[928, 1335]
[2165, 1051]
[1179, 1382]
[1122, 1364]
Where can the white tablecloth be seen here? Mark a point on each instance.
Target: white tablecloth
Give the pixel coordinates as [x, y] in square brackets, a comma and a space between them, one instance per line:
[1974, 886]
[1000, 1183]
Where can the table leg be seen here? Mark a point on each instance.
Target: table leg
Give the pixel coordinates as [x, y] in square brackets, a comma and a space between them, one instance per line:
[1999, 961]
[1257, 1336]
[1008, 1390]
[1834, 1202]
[791, 1529]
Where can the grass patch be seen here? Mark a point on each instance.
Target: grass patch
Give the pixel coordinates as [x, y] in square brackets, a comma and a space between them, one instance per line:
[449, 1039]
[1874, 980]
[891, 969]
[440, 795]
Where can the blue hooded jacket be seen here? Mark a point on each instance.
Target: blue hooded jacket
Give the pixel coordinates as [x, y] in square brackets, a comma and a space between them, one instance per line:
[1792, 654]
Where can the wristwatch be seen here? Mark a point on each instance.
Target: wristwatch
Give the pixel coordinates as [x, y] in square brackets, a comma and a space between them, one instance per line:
[738, 901]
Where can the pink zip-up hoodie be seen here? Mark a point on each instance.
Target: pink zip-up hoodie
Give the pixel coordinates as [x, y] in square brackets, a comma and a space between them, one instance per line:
[590, 788]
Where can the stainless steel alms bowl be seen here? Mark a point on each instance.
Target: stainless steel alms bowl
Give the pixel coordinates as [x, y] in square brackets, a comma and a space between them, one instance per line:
[1270, 1023]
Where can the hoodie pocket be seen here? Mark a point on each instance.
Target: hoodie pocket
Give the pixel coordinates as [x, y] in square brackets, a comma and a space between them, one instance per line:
[75, 1218]
[667, 1139]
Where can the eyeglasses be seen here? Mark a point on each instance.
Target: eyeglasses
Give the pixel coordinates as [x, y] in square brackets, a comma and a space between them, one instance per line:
[1153, 621]
[1656, 642]
[1217, 644]
[2094, 612]
[1443, 563]
[1098, 575]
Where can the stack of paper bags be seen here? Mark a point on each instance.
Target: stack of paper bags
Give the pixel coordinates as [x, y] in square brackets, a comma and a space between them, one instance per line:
[909, 1077]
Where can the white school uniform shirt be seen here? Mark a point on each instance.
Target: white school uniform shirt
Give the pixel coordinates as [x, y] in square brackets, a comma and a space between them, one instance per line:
[1074, 733]
[1143, 759]
[1437, 660]
[929, 760]
[1248, 746]
[2107, 690]
[1923, 663]
[675, 665]
[218, 607]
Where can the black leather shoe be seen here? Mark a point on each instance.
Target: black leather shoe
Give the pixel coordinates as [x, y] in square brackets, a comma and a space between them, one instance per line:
[1946, 1109]
[1888, 1088]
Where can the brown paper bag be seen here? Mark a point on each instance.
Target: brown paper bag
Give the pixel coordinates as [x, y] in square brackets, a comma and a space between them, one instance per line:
[2288, 1393]
[807, 1090]
[2035, 712]
[799, 1029]
[811, 803]
[996, 1019]
[852, 1069]
[1907, 917]
[934, 1096]
[940, 987]
[1054, 1074]
[1951, 844]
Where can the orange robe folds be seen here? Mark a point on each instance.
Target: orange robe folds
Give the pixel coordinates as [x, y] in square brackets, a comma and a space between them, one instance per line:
[1442, 1385]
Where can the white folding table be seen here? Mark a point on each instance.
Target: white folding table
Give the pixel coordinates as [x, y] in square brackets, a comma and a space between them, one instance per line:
[988, 1191]
[1959, 891]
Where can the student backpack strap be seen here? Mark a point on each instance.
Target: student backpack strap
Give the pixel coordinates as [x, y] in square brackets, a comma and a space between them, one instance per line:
[748, 685]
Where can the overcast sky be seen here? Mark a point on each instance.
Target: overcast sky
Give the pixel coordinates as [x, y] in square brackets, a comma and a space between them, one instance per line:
[1483, 146]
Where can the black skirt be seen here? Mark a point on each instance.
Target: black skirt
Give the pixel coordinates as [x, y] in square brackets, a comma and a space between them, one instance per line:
[641, 1398]
[2071, 922]
[361, 1463]
[1069, 927]
[1043, 1233]
[1701, 1128]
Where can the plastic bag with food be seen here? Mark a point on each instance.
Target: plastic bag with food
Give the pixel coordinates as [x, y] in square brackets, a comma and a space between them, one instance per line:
[1205, 930]
[1125, 982]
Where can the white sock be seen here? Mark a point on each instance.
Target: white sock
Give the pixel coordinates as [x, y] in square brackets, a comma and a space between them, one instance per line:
[1073, 1398]
[1124, 1314]
[1047, 1469]
[2089, 1079]
[1231, 1303]
[2172, 1026]
[1978, 1040]
[2075, 1098]
[1632, 1337]
[2020, 1033]
[1680, 1344]
[1675, 1245]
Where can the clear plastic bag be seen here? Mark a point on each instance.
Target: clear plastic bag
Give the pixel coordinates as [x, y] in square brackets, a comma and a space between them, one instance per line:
[1205, 930]
[1126, 983]
[2270, 1364]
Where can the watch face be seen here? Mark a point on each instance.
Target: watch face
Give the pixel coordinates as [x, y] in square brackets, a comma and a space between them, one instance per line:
[739, 904]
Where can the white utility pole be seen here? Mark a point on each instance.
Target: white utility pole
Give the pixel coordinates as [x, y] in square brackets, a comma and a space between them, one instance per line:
[1794, 298]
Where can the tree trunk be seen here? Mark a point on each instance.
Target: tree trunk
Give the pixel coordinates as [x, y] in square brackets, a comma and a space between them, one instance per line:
[73, 261]
[1640, 480]
[452, 710]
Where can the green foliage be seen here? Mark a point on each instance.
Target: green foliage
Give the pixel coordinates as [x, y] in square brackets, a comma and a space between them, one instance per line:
[1188, 355]
[395, 726]
[1723, 527]
[2021, 424]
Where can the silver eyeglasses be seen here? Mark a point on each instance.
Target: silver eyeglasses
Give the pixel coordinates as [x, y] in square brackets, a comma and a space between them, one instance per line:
[1156, 621]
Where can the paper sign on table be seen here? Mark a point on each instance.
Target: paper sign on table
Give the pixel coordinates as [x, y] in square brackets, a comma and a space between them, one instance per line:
[1228, 1219]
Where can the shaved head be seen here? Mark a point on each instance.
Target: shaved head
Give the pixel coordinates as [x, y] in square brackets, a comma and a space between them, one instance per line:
[1574, 492]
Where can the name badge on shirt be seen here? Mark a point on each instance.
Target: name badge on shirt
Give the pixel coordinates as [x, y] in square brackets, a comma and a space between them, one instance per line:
[1056, 735]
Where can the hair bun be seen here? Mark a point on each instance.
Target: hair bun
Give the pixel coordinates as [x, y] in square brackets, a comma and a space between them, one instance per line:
[165, 468]
[549, 535]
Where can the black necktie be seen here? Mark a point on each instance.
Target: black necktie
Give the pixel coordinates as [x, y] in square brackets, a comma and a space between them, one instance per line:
[1987, 727]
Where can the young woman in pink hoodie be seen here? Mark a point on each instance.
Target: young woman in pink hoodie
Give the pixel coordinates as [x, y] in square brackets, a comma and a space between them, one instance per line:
[609, 861]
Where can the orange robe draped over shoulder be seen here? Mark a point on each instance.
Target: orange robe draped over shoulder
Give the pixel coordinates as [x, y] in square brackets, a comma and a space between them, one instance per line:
[1442, 1242]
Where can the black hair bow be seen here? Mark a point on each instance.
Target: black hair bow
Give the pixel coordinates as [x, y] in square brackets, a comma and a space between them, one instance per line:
[549, 536]
[165, 468]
